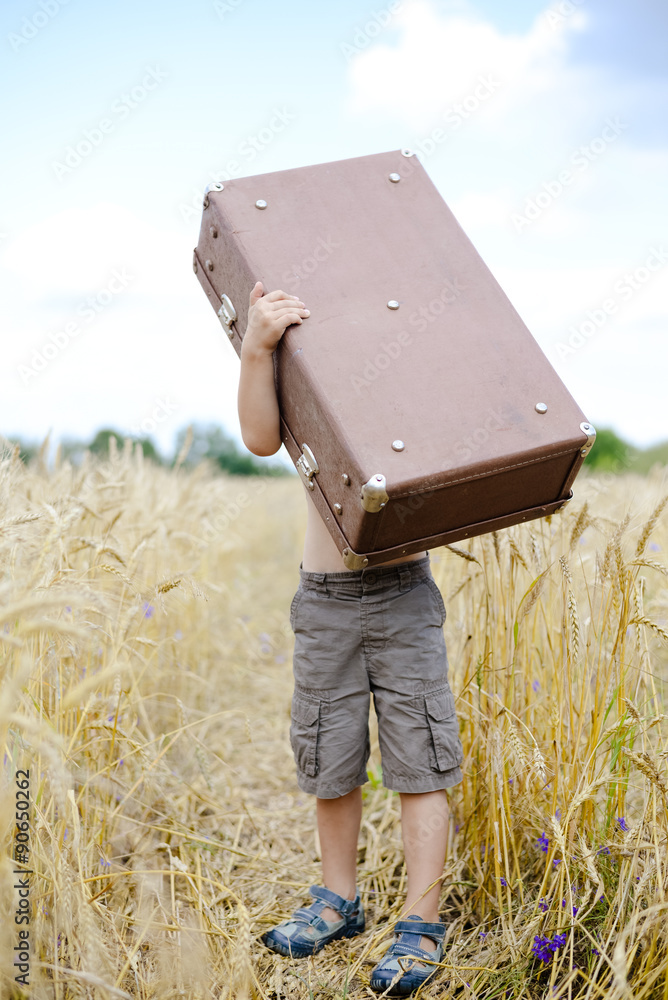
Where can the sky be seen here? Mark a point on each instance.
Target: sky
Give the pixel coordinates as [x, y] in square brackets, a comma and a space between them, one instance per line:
[543, 126]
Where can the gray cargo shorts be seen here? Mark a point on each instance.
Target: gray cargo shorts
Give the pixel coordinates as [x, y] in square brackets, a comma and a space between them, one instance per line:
[375, 631]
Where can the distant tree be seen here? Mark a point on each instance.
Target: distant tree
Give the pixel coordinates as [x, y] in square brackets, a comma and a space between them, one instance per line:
[211, 442]
[100, 444]
[27, 449]
[610, 452]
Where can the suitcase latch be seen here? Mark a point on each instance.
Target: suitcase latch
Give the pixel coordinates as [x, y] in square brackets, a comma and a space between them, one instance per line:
[227, 315]
[307, 466]
[591, 437]
[374, 494]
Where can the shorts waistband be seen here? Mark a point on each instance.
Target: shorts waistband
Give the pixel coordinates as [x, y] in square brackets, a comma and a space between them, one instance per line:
[373, 578]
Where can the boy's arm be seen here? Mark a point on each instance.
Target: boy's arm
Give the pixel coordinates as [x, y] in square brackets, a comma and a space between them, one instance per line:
[268, 317]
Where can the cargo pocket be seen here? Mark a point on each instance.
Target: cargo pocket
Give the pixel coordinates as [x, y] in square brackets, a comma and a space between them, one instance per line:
[304, 733]
[294, 605]
[438, 597]
[446, 747]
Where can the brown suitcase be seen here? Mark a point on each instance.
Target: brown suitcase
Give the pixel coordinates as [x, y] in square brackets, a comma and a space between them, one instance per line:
[415, 403]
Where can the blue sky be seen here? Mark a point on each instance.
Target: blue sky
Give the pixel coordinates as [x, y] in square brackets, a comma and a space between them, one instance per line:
[164, 97]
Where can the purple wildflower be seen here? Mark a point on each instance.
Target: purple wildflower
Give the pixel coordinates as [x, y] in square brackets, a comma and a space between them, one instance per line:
[503, 881]
[543, 905]
[541, 948]
[556, 861]
[603, 850]
[536, 686]
[148, 610]
[622, 823]
[543, 842]
[654, 547]
[575, 908]
[544, 947]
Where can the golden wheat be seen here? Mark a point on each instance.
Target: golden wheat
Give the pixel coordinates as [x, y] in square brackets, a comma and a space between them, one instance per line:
[146, 685]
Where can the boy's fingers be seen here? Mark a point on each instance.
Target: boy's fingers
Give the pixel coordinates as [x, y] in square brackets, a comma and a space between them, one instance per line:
[280, 307]
[256, 292]
[276, 295]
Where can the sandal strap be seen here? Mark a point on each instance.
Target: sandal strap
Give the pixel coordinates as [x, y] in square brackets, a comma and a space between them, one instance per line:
[399, 950]
[308, 916]
[434, 931]
[343, 906]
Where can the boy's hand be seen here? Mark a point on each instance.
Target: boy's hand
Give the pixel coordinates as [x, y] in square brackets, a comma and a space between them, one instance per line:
[269, 315]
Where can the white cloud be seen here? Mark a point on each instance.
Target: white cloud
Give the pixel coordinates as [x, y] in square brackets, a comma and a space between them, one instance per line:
[440, 61]
[154, 339]
[73, 253]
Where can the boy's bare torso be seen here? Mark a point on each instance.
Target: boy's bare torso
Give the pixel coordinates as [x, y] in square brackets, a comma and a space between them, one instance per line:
[320, 552]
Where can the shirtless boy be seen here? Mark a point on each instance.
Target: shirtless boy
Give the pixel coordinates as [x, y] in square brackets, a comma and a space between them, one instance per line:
[359, 632]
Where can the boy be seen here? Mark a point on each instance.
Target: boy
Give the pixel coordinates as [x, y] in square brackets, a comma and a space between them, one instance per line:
[374, 630]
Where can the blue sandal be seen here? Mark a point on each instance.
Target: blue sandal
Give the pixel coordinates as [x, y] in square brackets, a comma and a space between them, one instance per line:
[306, 932]
[402, 955]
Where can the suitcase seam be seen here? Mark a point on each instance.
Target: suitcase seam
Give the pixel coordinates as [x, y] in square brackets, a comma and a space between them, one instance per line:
[493, 472]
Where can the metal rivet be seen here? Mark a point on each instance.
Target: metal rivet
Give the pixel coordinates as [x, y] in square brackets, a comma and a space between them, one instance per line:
[393, 304]
[378, 478]
[338, 509]
[398, 445]
[407, 152]
[541, 407]
[346, 479]
[260, 203]
[395, 178]
[214, 232]
[209, 265]
[211, 187]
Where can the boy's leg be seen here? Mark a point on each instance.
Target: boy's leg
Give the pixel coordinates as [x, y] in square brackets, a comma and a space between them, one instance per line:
[338, 828]
[424, 825]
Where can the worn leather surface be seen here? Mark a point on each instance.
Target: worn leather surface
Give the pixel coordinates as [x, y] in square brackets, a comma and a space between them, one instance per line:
[453, 372]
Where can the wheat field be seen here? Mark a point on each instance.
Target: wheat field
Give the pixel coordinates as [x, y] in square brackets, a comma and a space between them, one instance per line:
[146, 685]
